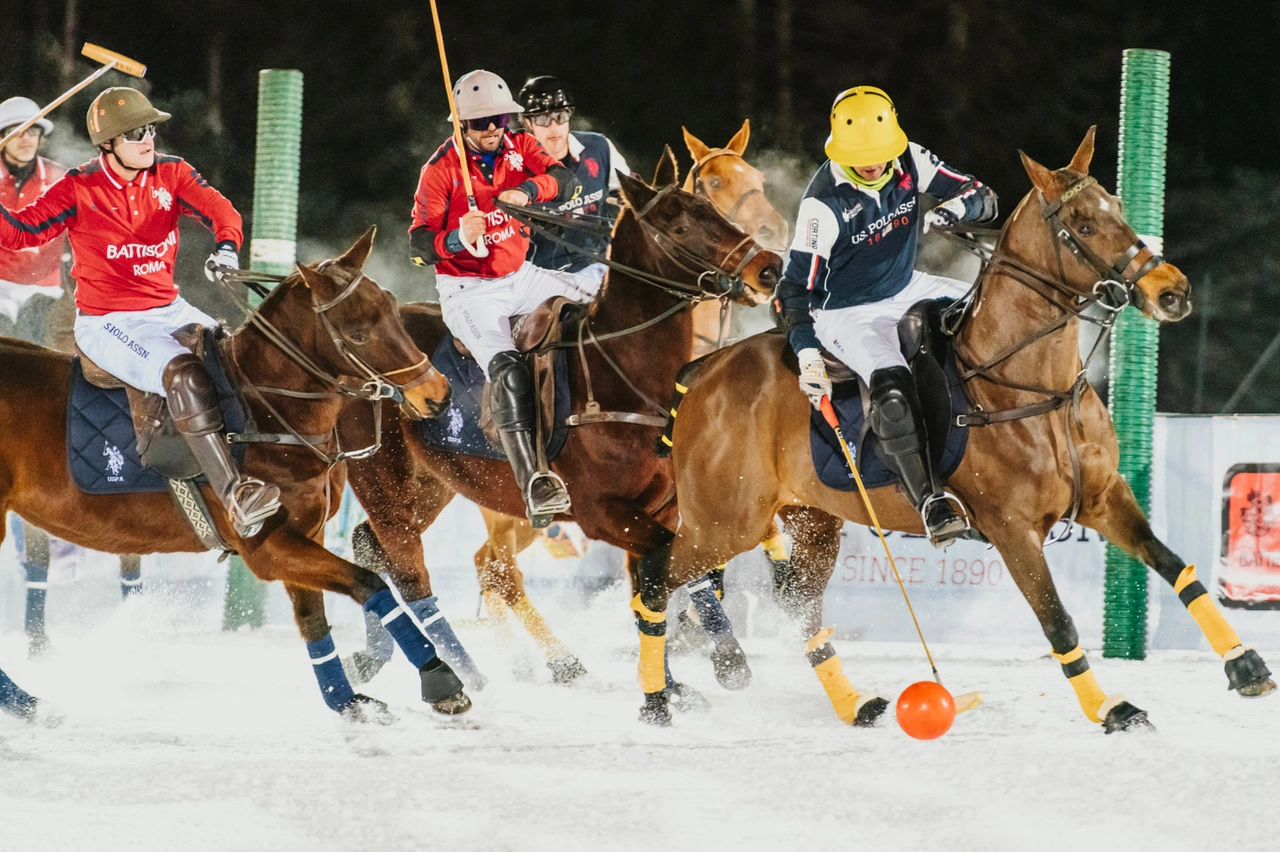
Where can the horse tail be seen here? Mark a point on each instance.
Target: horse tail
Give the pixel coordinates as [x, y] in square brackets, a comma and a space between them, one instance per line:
[684, 379]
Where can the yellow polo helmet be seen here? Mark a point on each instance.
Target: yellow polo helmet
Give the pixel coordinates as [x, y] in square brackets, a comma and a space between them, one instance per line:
[864, 128]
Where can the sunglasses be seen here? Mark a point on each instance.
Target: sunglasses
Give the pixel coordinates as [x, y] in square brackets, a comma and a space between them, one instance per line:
[546, 119]
[139, 134]
[479, 124]
[34, 130]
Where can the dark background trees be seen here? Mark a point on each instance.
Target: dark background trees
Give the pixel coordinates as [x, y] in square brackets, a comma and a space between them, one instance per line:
[972, 80]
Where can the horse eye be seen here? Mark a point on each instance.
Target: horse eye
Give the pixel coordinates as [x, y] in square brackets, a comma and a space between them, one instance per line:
[715, 183]
[679, 230]
[359, 338]
[1086, 230]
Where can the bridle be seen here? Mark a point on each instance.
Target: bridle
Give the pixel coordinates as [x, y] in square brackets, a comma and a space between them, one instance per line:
[695, 175]
[1112, 292]
[375, 387]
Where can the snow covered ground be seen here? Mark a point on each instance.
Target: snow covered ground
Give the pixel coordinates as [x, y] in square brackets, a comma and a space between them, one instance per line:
[178, 736]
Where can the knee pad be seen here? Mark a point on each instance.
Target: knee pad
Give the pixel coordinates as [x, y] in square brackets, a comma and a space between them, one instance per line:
[510, 393]
[893, 410]
[193, 400]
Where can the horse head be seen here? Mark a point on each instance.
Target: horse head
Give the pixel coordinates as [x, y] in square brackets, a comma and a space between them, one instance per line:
[1093, 246]
[691, 242]
[362, 336]
[735, 187]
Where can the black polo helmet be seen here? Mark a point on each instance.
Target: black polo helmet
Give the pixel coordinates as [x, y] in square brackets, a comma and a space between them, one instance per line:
[544, 94]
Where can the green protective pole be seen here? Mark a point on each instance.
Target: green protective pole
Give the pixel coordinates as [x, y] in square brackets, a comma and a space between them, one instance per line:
[272, 249]
[1135, 341]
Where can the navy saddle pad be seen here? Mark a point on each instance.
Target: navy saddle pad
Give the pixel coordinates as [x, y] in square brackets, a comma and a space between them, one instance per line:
[829, 461]
[102, 448]
[457, 430]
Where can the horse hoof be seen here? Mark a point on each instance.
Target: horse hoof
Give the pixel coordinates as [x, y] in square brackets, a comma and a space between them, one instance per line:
[870, 712]
[566, 669]
[361, 667]
[1249, 676]
[454, 705]
[365, 710]
[688, 635]
[656, 710]
[442, 689]
[686, 699]
[730, 661]
[1125, 717]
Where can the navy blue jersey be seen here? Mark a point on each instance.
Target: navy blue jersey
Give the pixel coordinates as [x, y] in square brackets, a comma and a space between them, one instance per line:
[593, 158]
[854, 245]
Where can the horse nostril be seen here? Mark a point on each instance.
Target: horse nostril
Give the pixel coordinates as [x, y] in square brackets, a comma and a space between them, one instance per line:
[769, 277]
[1171, 301]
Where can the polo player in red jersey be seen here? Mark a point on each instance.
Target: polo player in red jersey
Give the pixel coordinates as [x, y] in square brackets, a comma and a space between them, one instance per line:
[121, 213]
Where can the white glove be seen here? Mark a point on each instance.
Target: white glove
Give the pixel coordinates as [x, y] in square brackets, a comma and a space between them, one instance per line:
[945, 215]
[225, 256]
[814, 380]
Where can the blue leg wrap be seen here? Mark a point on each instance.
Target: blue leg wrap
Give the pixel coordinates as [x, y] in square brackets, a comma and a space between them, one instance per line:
[130, 576]
[14, 700]
[711, 613]
[334, 686]
[415, 645]
[666, 667]
[441, 634]
[378, 642]
[33, 552]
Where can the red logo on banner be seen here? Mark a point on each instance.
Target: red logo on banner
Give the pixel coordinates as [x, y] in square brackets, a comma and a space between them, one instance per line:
[1249, 568]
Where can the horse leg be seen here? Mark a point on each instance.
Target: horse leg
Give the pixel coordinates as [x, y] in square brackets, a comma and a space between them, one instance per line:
[309, 615]
[319, 570]
[130, 575]
[1024, 557]
[363, 665]
[33, 550]
[502, 580]
[814, 549]
[16, 701]
[775, 550]
[1115, 514]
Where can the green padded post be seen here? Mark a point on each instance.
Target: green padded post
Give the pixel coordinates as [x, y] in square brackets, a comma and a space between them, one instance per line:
[272, 249]
[1144, 120]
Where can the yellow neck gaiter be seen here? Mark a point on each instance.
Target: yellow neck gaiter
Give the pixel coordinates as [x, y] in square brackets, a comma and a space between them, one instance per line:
[873, 185]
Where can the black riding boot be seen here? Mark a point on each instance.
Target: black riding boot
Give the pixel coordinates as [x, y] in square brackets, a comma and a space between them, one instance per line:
[511, 405]
[896, 420]
[193, 403]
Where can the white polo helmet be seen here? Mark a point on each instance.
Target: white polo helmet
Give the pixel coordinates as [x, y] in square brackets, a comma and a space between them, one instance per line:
[482, 93]
[17, 110]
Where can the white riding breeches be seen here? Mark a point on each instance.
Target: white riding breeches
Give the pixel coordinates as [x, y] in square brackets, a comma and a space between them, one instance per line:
[479, 310]
[136, 346]
[865, 337]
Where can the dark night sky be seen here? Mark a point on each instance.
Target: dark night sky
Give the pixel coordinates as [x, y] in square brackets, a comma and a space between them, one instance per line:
[974, 81]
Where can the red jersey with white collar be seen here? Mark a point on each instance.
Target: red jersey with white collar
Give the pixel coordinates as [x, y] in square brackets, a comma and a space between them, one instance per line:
[124, 235]
[41, 265]
[441, 200]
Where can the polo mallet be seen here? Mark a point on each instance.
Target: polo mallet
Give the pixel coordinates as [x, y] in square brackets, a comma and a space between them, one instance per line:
[479, 249]
[964, 701]
[110, 59]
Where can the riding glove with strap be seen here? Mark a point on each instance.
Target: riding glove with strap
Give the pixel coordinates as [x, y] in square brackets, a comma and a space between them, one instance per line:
[945, 215]
[814, 380]
[224, 254]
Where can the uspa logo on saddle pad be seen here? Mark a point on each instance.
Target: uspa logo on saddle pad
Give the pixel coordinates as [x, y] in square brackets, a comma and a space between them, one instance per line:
[115, 462]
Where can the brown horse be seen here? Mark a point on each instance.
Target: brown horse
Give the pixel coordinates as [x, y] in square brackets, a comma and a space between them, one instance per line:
[1019, 345]
[324, 320]
[623, 494]
[736, 188]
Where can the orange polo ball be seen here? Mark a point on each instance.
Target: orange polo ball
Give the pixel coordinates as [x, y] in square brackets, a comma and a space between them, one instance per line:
[926, 710]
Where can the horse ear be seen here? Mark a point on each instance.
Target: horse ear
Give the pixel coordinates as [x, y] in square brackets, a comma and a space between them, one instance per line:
[697, 148]
[634, 191]
[358, 253]
[738, 143]
[1084, 154]
[1043, 179]
[310, 277]
[668, 172]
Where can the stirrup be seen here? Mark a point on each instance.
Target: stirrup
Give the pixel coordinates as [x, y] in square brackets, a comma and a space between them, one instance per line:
[540, 516]
[957, 527]
[249, 524]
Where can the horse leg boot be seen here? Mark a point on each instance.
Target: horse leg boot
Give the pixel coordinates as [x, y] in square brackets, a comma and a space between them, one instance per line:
[728, 658]
[896, 421]
[193, 402]
[34, 549]
[511, 405]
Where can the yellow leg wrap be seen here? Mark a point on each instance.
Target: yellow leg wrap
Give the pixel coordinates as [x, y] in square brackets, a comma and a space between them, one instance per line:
[775, 547]
[1222, 637]
[538, 629]
[652, 673]
[844, 698]
[1085, 684]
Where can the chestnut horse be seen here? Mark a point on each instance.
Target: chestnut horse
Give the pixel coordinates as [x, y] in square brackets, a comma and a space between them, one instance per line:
[1023, 377]
[736, 188]
[326, 335]
[623, 494]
